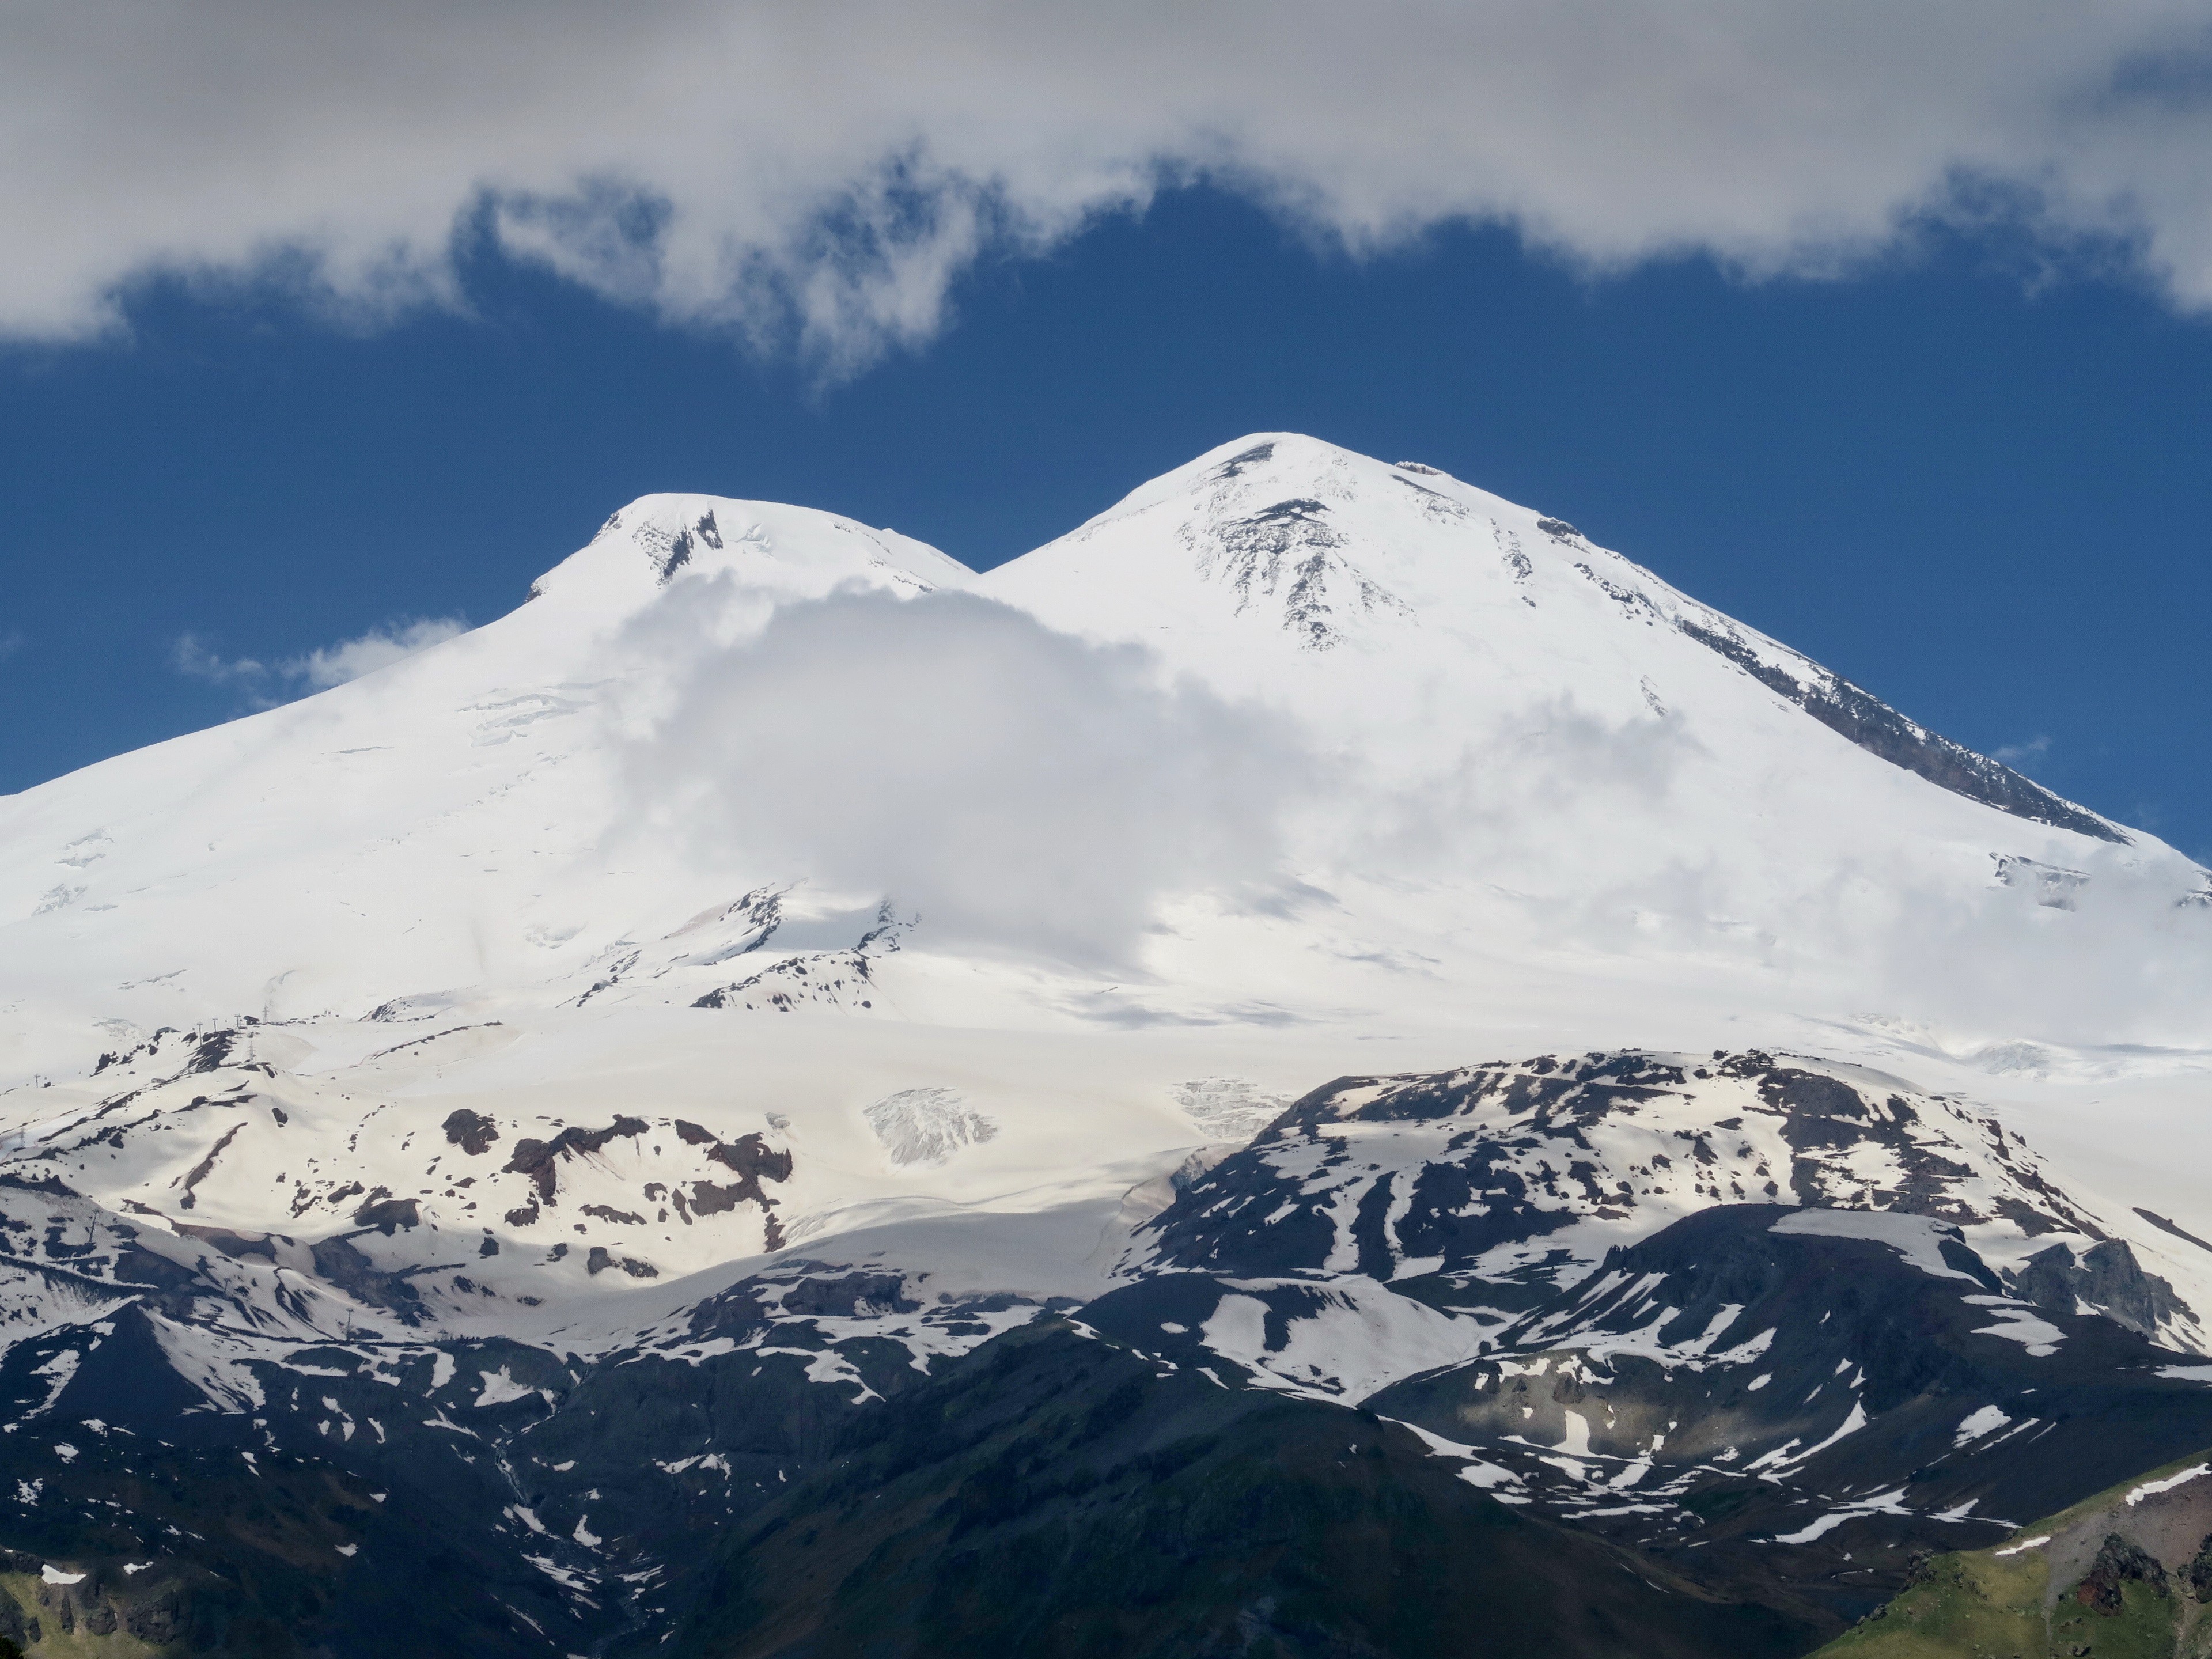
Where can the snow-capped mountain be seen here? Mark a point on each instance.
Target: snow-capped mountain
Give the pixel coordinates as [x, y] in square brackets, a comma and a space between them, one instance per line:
[658, 1028]
[1299, 736]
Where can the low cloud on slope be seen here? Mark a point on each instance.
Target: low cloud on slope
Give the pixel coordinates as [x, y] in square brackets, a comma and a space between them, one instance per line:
[820, 172]
[268, 683]
[1021, 790]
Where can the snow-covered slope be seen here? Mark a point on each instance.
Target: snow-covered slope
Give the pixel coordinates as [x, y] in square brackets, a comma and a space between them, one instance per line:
[1533, 748]
[774, 939]
[1365, 740]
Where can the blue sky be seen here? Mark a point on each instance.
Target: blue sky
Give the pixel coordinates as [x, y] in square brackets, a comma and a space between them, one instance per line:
[1961, 462]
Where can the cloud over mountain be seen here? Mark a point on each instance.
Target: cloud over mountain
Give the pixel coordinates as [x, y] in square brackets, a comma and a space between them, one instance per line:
[268, 683]
[1019, 788]
[818, 175]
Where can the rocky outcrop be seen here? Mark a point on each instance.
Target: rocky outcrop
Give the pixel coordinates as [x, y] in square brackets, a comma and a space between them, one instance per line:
[540, 1160]
[2104, 1279]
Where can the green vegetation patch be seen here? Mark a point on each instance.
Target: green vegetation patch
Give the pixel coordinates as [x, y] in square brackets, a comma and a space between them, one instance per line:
[2119, 1602]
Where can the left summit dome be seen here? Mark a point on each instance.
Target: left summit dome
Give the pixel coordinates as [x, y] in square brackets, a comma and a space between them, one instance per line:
[790, 551]
[462, 822]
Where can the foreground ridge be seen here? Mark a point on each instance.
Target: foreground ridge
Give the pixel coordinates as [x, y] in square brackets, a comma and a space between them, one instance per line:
[1776, 1399]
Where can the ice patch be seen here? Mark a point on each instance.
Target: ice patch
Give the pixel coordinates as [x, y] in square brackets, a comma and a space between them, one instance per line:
[1916, 1238]
[1237, 1328]
[1229, 1108]
[1479, 1471]
[2039, 1336]
[1988, 1420]
[1827, 1523]
[2152, 1488]
[60, 1368]
[500, 1387]
[923, 1127]
[1883, 1503]
[1852, 1425]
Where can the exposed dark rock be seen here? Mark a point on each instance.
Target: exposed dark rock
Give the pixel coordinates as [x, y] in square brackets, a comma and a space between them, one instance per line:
[2055, 889]
[1234, 465]
[675, 553]
[1289, 551]
[200, 1171]
[1519, 1163]
[384, 1214]
[2166, 1226]
[1875, 727]
[234, 1244]
[850, 1296]
[212, 1052]
[751, 1160]
[2108, 1280]
[537, 1159]
[712, 1197]
[2117, 1562]
[157, 1620]
[354, 1273]
[15, 1624]
[2197, 1574]
[1062, 1498]
[472, 1132]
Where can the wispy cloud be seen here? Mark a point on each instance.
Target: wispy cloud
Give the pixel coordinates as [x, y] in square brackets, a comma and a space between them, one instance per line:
[2023, 755]
[10, 643]
[822, 173]
[349, 659]
[268, 683]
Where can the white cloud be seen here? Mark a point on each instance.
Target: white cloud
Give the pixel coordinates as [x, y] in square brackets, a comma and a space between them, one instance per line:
[820, 171]
[2022, 754]
[267, 685]
[1020, 790]
[349, 659]
[192, 656]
